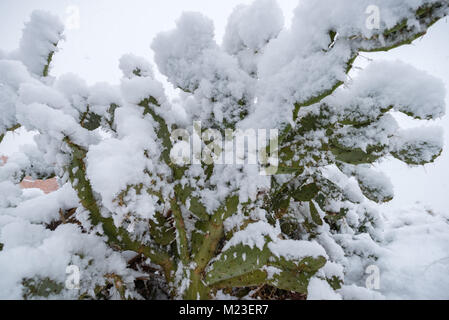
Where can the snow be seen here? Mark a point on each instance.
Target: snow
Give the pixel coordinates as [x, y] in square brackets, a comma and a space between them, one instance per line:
[40, 35]
[298, 65]
[49, 256]
[9, 195]
[251, 81]
[296, 250]
[12, 74]
[378, 133]
[427, 142]
[191, 60]
[38, 93]
[376, 183]
[354, 292]
[74, 89]
[416, 263]
[319, 289]
[45, 208]
[137, 89]
[253, 26]
[31, 235]
[394, 83]
[253, 236]
[249, 29]
[111, 172]
[103, 94]
[292, 250]
[131, 64]
[37, 115]
[176, 50]
[31, 250]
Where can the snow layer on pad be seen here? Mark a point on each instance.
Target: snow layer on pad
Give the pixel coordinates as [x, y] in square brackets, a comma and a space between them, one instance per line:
[38, 93]
[249, 29]
[298, 65]
[307, 75]
[45, 208]
[296, 249]
[193, 62]
[74, 89]
[12, 75]
[319, 289]
[30, 234]
[422, 144]
[40, 35]
[9, 194]
[271, 271]
[349, 17]
[176, 50]
[37, 115]
[117, 163]
[253, 26]
[377, 133]
[136, 89]
[331, 269]
[29, 161]
[72, 85]
[50, 257]
[104, 94]
[12, 169]
[393, 83]
[377, 183]
[132, 65]
[111, 172]
[253, 235]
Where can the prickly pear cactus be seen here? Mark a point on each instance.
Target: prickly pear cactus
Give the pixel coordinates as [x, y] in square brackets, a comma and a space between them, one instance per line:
[209, 228]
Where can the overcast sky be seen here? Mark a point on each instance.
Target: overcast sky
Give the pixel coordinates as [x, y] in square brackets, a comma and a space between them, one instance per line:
[109, 28]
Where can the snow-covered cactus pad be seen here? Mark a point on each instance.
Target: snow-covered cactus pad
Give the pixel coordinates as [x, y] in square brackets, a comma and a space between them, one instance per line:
[128, 217]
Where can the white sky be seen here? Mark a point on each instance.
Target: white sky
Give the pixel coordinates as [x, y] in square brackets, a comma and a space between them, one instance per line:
[110, 28]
